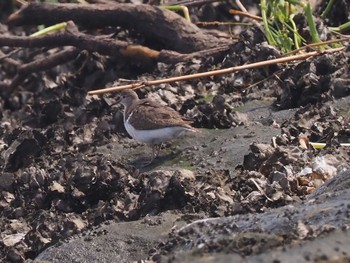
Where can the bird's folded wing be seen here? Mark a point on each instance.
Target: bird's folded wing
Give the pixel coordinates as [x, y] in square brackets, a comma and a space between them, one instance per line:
[148, 115]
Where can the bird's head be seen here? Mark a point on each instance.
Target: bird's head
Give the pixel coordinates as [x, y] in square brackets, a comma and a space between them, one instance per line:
[126, 97]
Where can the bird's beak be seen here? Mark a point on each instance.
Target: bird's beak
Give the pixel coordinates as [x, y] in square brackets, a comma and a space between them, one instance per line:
[111, 103]
[119, 98]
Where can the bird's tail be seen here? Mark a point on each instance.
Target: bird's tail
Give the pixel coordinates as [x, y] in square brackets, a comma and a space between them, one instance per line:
[192, 129]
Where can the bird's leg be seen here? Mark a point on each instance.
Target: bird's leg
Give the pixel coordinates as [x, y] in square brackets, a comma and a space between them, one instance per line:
[155, 153]
[156, 149]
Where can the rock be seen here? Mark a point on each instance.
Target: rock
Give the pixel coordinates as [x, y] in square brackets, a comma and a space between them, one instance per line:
[6, 181]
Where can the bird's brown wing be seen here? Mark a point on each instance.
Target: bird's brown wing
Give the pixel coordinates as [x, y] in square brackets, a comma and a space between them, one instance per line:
[149, 115]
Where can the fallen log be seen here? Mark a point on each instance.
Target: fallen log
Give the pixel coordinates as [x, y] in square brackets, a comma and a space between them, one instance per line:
[158, 26]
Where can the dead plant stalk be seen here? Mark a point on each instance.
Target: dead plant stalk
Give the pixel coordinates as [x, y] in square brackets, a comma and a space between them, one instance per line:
[230, 70]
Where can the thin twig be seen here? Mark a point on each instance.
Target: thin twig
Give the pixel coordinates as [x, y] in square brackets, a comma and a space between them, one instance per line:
[241, 6]
[345, 38]
[192, 3]
[246, 14]
[260, 189]
[7, 57]
[215, 72]
[21, 2]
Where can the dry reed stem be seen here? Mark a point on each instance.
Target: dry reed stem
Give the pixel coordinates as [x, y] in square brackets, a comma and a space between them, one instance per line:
[140, 84]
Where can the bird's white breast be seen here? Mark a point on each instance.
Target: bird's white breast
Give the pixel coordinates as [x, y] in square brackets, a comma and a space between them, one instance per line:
[156, 136]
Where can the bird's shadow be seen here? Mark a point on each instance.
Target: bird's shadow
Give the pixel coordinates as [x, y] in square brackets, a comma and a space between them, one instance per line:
[143, 164]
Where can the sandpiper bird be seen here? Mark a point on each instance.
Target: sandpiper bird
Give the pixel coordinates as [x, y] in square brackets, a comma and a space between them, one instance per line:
[152, 123]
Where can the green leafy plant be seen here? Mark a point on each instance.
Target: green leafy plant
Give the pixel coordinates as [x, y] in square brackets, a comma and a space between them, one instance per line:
[180, 8]
[280, 28]
[342, 28]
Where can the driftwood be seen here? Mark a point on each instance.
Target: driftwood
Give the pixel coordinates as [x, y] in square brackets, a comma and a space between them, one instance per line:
[104, 45]
[180, 40]
[164, 27]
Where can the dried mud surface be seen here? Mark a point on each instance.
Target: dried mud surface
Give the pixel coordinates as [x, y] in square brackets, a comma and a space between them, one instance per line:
[248, 187]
